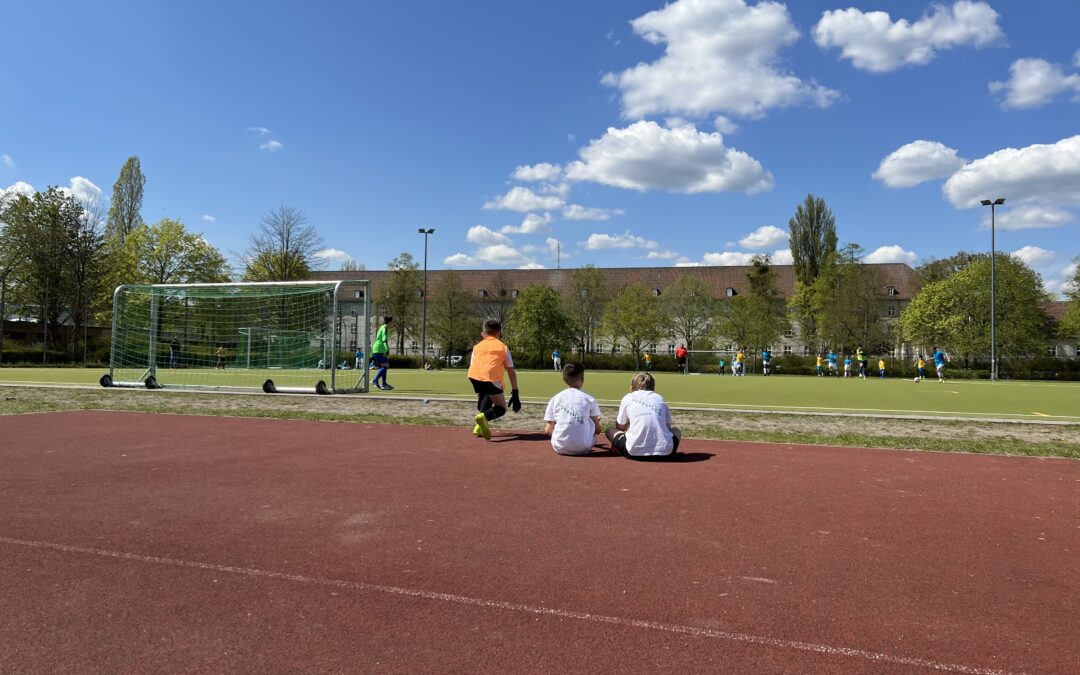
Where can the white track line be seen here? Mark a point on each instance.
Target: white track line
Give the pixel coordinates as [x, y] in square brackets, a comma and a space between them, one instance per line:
[523, 609]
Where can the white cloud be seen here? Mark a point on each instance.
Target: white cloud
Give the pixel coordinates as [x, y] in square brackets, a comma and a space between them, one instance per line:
[331, 255]
[890, 254]
[18, 188]
[1076, 58]
[765, 236]
[271, 146]
[724, 125]
[646, 156]
[918, 162]
[1035, 257]
[1045, 174]
[782, 257]
[532, 266]
[719, 56]
[661, 255]
[576, 212]
[727, 258]
[531, 224]
[874, 42]
[83, 190]
[482, 236]
[209, 218]
[459, 260]
[1028, 218]
[499, 255]
[603, 242]
[262, 131]
[554, 246]
[1035, 82]
[687, 263]
[523, 199]
[7, 161]
[542, 172]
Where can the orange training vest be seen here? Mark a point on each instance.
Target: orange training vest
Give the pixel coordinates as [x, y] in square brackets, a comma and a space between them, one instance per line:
[488, 360]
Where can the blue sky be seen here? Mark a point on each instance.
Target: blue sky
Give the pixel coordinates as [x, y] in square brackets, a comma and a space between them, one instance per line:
[632, 132]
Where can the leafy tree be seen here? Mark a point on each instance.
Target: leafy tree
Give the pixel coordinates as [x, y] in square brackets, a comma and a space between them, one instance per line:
[852, 305]
[166, 253]
[537, 324]
[934, 269]
[633, 316]
[690, 308]
[283, 247]
[127, 200]
[813, 248]
[767, 313]
[500, 298]
[351, 265]
[452, 320]
[583, 303]
[1070, 323]
[736, 320]
[955, 312]
[403, 296]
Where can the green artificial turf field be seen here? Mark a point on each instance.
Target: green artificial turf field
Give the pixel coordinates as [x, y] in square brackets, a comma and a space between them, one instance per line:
[960, 398]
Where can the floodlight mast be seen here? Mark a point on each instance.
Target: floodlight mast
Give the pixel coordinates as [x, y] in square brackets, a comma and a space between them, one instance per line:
[423, 330]
[993, 287]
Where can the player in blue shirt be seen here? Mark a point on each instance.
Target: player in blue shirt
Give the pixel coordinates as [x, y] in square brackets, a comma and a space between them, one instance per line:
[766, 361]
[832, 364]
[847, 366]
[940, 358]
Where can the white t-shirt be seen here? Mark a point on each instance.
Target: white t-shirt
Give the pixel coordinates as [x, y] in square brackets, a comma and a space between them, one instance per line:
[650, 420]
[572, 411]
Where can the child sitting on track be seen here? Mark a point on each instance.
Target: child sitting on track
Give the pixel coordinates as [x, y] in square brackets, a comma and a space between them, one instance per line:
[490, 360]
[572, 416]
[643, 427]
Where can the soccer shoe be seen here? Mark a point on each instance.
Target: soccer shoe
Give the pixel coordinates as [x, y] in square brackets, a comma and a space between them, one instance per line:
[482, 424]
[476, 431]
[387, 387]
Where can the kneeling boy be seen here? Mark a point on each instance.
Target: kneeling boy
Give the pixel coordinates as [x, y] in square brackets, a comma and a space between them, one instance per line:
[490, 360]
[572, 416]
[643, 427]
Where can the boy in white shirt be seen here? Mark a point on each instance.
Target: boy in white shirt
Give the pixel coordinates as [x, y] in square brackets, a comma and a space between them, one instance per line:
[572, 416]
[643, 427]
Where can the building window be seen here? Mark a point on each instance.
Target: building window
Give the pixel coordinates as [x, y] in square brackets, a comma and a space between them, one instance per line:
[514, 292]
[415, 345]
[482, 293]
[617, 349]
[730, 292]
[671, 349]
[891, 290]
[727, 348]
[584, 292]
[656, 292]
[1051, 350]
[419, 293]
[790, 332]
[787, 349]
[806, 350]
[892, 310]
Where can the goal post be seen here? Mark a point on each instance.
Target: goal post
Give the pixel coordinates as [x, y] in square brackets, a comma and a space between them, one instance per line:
[296, 336]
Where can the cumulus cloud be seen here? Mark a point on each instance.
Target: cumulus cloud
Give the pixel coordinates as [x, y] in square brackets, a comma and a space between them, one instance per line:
[918, 162]
[890, 254]
[271, 146]
[332, 255]
[83, 190]
[18, 188]
[1044, 174]
[603, 242]
[542, 172]
[1035, 257]
[1034, 82]
[7, 161]
[523, 199]
[719, 56]
[482, 236]
[661, 255]
[1028, 218]
[262, 131]
[873, 41]
[497, 255]
[532, 266]
[531, 224]
[724, 125]
[765, 236]
[646, 156]
[576, 212]
[209, 218]
[782, 257]
[727, 258]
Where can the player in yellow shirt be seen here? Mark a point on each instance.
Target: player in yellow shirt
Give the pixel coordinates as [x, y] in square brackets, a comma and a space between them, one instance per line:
[920, 368]
[881, 368]
[490, 361]
[820, 366]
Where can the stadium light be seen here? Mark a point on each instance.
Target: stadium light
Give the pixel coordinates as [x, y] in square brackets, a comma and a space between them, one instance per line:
[993, 285]
[423, 330]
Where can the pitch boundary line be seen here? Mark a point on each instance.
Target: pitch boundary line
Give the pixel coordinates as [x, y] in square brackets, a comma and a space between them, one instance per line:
[645, 624]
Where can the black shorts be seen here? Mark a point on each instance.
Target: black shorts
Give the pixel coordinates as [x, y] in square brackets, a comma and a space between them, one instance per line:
[380, 359]
[620, 446]
[485, 388]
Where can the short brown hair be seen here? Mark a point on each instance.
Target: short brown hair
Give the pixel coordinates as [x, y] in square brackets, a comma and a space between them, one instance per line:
[491, 326]
[643, 381]
[573, 372]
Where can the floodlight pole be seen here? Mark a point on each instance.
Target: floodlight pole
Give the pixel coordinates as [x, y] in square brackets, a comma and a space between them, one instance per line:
[423, 329]
[993, 287]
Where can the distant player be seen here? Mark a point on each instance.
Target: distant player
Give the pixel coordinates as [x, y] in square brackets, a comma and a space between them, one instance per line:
[920, 368]
[680, 358]
[739, 364]
[174, 352]
[380, 354]
[766, 361]
[832, 364]
[648, 360]
[820, 366]
[881, 368]
[721, 366]
[572, 416]
[556, 359]
[860, 356]
[643, 427]
[220, 353]
[359, 363]
[940, 358]
[847, 366]
[490, 361]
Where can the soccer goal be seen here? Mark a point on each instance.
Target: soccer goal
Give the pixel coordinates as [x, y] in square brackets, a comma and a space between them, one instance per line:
[298, 336]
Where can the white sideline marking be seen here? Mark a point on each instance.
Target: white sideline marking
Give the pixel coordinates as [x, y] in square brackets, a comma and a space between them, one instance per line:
[525, 609]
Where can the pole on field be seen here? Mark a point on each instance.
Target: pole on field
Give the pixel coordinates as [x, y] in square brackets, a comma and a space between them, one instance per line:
[993, 289]
[423, 330]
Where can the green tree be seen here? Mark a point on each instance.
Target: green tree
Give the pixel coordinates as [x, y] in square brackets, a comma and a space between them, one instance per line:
[852, 312]
[166, 253]
[690, 309]
[633, 316]
[452, 319]
[955, 312]
[813, 248]
[499, 299]
[934, 269]
[537, 324]
[768, 313]
[127, 200]
[403, 295]
[282, 248]
[583, 303]
[1070, 323]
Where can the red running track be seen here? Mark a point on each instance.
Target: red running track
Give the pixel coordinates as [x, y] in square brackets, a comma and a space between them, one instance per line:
[135, 542]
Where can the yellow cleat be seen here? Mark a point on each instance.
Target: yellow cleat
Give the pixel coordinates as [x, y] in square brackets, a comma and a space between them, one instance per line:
[482, 425]
[477, 431]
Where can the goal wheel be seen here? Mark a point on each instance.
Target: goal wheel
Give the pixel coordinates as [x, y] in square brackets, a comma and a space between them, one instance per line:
[268, 387]
[320, 388]
[106, 380]
[152, 383]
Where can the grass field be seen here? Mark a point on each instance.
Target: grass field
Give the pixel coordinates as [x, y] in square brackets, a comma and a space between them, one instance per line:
[955, 398]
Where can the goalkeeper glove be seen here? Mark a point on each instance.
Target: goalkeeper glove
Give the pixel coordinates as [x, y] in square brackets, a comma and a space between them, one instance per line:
[515, 401]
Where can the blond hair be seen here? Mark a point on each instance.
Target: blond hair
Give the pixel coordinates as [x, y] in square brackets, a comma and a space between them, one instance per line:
[643, 381]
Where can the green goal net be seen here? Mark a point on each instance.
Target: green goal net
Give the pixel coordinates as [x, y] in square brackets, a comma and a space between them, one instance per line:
[302, 336]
